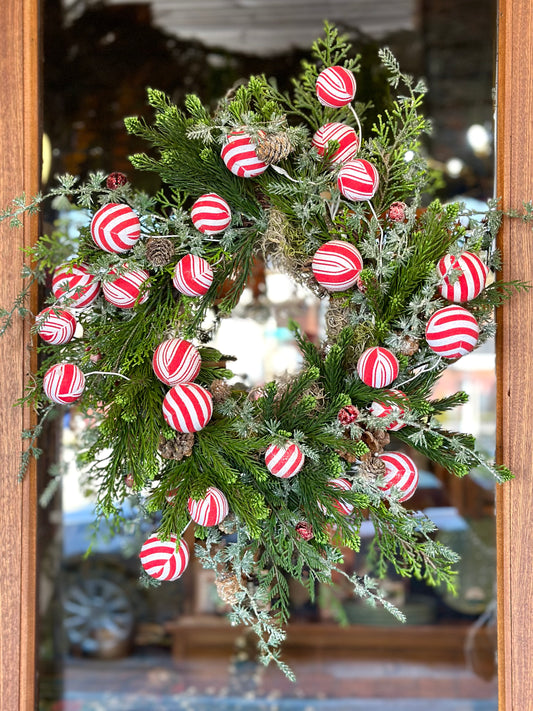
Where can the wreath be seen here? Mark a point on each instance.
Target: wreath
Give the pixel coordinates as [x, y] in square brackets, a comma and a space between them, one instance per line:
[277, 479]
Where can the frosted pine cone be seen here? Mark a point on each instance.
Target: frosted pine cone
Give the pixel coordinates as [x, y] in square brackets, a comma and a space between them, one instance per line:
[159, 251]
[178, 447]
[408, 346]
[372, 468]
[220, 390]
[227, 588]
[376, 440]
[273, 148]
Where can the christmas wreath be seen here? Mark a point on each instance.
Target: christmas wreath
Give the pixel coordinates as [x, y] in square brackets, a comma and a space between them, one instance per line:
[276, 479]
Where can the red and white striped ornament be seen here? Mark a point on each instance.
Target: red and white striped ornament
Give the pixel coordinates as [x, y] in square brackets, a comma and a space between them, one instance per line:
[211, 214]
[343, 507]
[386, 408]
[401, 473]
[284, 461]
[73, 282]
[115, 228]
[187, 407]
[239, 155]
[378, 367]
[127, 289]
[358, 180]
[192, 275]
[211, 510]
[163, 560]
[452, 332]
[63, 383]
[56, 326]
[335, 87]
[344, 135]
[471, 275]
[176, 361]
[336, 265]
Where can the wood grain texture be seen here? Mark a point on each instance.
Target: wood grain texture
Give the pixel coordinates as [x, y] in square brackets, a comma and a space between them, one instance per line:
[19, 171]
[514, 362]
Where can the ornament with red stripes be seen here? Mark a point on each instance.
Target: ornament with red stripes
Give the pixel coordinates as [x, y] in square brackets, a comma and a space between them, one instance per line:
[56, 326]
[128, 289]
[343, 507]
[176, 361]
[468, 280]
[401, 474]
[284, 461]
[115, 228]
[164, 560]
[387, 408]
[187, 407]
[192, 275]
[211, 510]
[345, 136]
[211, 214]
[358, 180]
[452, 332]
[73, 282]
[335, 87]
[378, 367]
[336, 265]
[64, 383]
[239, 155]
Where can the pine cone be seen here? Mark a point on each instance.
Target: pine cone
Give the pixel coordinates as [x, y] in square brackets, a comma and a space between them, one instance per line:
[372, 468]
[159, 251]
[220, 390]
[227, 587]
[273, 148]
[178, 447]
[376, 440]
[408, 346]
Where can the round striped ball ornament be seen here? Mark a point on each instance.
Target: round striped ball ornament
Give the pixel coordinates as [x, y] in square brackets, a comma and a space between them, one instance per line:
[63, 383]
[336, 265]
[470, 277]
[342, 134]
[387, 408]
[192, 275]
[73, 282]
[452, 332]
[211, 214]
[115, 228]
[377, 367]
[285, 461]
[56, 326]
[358, 180]
[187, 407]
[335, 87]
[211, 510]
[239, 155]
[164, 560]
[127, 289]
[176, 361]
[343, 507]
[401, 473]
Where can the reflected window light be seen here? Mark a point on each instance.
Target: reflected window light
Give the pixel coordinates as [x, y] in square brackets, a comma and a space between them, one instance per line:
[454, 167]
[478, 139]
[46, 159]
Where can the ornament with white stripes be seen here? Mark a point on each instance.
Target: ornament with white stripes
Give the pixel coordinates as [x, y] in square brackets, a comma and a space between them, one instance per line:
[336, 265]
[56, 326]
[176, 361]
[284, 461]
[343, 507]
[335, 87]
[63, 383]
[128, 289]
[345, 136]
[164, 560]
[469, 277]
[401, 474]
[211, 214]
[211, 510]
[378, 367]
[115, 228]
[387, 408]
[239, 155]
[452, 332]
[73, 282]
[192, 275]
[187, 407]
[358, 180]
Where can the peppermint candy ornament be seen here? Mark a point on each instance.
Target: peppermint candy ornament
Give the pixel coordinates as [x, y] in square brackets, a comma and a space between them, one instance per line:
[335, 87]
[192, 276]
[401, 473]
[176, 361]
[56, 326]
[471, 277]
[63, 383]
[239, 155]
[386, 408]
[211, 510]
[285, 461]
[164, 560]
[342, 134]
[343, 507]
[73, 282]
[187, 407]
[211, 214]
[452, 332]
[336, 265]
[358, 180]
[115, 228]
[127, 289]
[378, 367]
